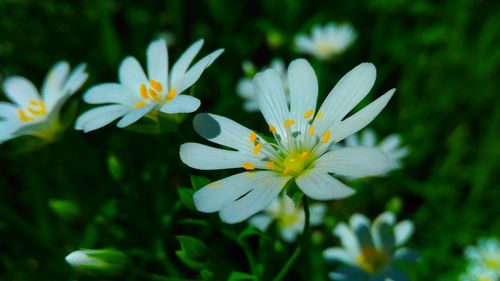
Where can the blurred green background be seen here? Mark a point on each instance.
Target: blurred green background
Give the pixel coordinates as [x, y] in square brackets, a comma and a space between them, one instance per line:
[442, 56]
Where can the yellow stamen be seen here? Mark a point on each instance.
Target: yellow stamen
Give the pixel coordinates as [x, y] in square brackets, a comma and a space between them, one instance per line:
[153, 94]
[326, 137]
[308, 113]
[288, 123]
[319, 115]
[253, 136]
[248, 166]
[270, 165]
[41, 108]
[272, 129]
[171, 94]
[257, 148]
[23, 117]
[156, 85]
[33, 102]
[140, 104]
[304, 155]
[311, 131]
[143, 91]
[287, 171]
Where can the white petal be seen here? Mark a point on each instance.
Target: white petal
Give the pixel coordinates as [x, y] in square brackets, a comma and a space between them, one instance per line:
[354, 161]
[52, 88]
[303, 87]
[360, 225]
[157, 56]
[195, 72]
[261, 222]
[348, 92]
[362, 118]
[406, 255]
[266, 187]
[205, 157]
[20, 90]
[76, 79]
[134, 115]
[319, 185]
[244, 89]
[214, 196]
[339, 254]
[131, 74]
[270, 92]
[347, 239]
[110, 93]
[369, 138]
[317, 214]
[182, 64]
[352, 140]
[99, 117]
[382, 232]
[390, 142]
[224, 131]
[181, 104]
[8, 110]
[7, 130]
[403, 231]
[289, 234]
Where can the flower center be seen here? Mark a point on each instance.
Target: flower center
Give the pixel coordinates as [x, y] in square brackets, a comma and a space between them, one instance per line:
[36, 108]
[294, 164]
[153, 94]
[491, 262]
[484, 278]
[371, 259]
[289, 219]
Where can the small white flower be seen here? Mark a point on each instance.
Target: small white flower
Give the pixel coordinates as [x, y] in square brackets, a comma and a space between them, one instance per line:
[485, 254]
[138, 95]
[477, 272]
[301, 147]
[100, 261]
[390, 145]
[290, 219]
[369, 251]
[326, 41]
[35, 114]
[245, 89]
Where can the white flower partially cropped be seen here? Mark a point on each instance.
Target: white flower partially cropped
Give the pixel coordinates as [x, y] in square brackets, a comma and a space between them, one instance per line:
[390, 145]
[245, 89]
[476, 272]
[486, 254]
[326, 41]
[35, 114]
[300, 149]
[369, 251]
[290, 219]
[138, 95]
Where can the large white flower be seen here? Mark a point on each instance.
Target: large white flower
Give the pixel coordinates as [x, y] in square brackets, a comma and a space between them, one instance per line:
[138, 94]
[35, 114]
[486, 254]
[326, 41]
[369, 251]
[390, 145]
[245, 88]
[300, 149]
[290, 219]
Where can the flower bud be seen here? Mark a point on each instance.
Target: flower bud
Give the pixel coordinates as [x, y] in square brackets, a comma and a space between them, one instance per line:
[99, 262]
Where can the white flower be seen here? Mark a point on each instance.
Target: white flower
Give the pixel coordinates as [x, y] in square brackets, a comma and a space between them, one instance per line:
[245, 89]
[100, 261]
[477, 272]
[290, 219]
[326, 41]
[300, 149]
[32, 114]
[138, 94]
[369, 251]
[486, 254]
[390, 145]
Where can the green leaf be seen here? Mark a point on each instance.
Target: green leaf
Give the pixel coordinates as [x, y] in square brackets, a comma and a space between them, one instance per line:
[237, 276]
[206, 274]
[186, 196]
[199, 181]
[250, 231]
[189, 262]
[192, 247]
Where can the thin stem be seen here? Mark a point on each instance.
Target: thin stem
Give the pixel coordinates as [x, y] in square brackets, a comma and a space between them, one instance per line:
[250, 257]
[302, 244]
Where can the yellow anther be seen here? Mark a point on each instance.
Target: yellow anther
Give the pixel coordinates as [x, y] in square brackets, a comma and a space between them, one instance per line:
[287, 171]
[253, 136]
[326, 137]
[33, 102]
[308, 113]
[37, 111]
[272, 129]
[23, 117]
[215, 184]
[156, 85]
[270, 165]
[171, 94]
[304, 155]
[143, 91]
[319, 115]
[311, 131]
[153, 94]
[288, 123]
[140, 104]
[248, 166]
[257, 148]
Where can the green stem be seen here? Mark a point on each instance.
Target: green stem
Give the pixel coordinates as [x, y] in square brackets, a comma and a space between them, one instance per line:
[302, 244]
[250, 257]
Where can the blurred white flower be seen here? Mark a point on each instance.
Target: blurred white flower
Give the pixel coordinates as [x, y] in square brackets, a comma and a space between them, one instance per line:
[100, 262]
[32, 114]
[245, 89]
[390, 145]
[301, 147]
[138, 95]
[326, 41]
[485, 255]
[290, 219]
[477, 272]
[370, 250]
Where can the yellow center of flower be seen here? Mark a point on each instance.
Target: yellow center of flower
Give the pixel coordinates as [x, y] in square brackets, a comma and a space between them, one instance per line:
[492, 263]
[289, 219]
[294, 164]
[152, 94]
[371, 260]
[325, 48]
[484, 278]
[36, 108]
